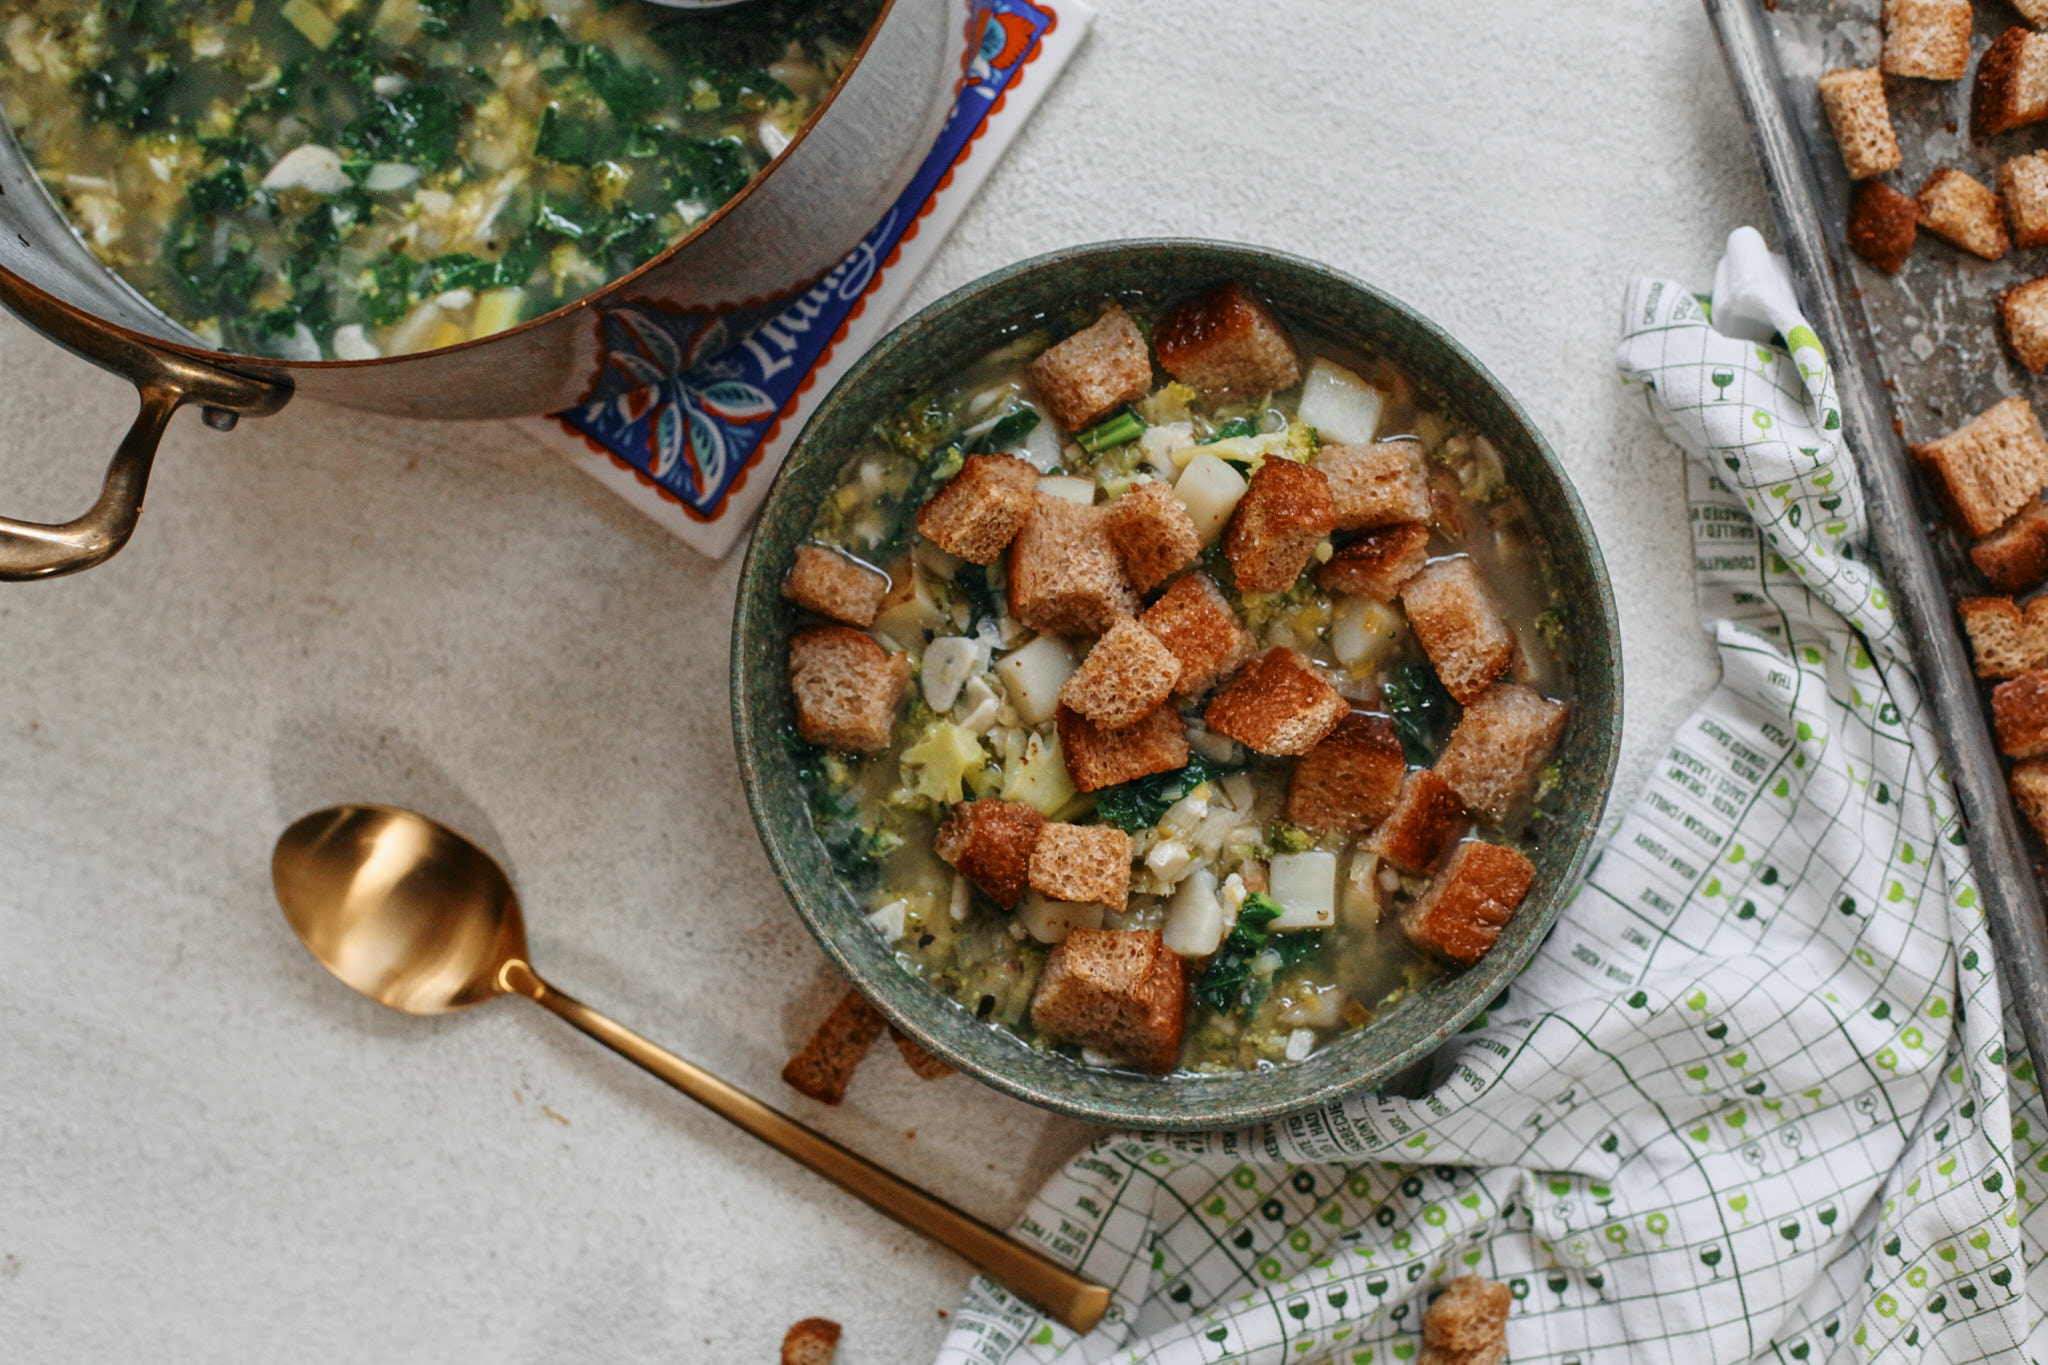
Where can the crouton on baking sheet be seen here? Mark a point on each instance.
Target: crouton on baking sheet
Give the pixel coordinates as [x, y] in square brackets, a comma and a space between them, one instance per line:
[2011, 89]
[2006, 640]
[1856, 110]
[2019, 715]
[2015, 557]
[1963, 211]
[1991, 466]
[1929, 39]
[2023, 314]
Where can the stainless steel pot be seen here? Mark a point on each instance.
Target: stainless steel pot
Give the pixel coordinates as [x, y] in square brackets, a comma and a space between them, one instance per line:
[789, 226]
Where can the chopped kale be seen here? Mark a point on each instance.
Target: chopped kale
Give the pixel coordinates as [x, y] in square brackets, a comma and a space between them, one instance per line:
[388, 295]
[574, 141]
[1235, 427]
[1226, 982]
[463, 270]
[128, 89]
[632, 93]
[438, 17]
[221, 191]
[1139, 805]
[418, 126]
[1421, 711]
[972, 580]
[1009, 430]
[856, 850]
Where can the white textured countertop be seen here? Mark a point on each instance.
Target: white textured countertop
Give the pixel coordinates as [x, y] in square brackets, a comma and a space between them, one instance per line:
[209, 1150]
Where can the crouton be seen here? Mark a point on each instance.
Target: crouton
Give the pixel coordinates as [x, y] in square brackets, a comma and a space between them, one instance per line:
[981, 509]
[836, 585]
[2023, 185]
[1854, 100]
[1454, 618]
[1279, 522]
[1882, 225]
[2019, 714]
[989, 842]
[2011, 89]
[1124, 678]
[1471, 1311]
[1098, 758]
[1083, 864]
[1470, 902]
[1929, 39]
[1504, 737]
[1226, 341]
[814, 1341]
[1427, 816]
[1095, 371]
[2029, 787]
[824, 1065]
[1494, 1354]
[1376, 485]
[1065, 577]
[2033, 11]
[1347, 783]
[1194, 620]
[846, 687]
[1279, 704]
[2006, 640]
[2015, 558]
[1153, 533]
[1963, 211]
[2023, 311]
[1119, 991]
[1991, 466]
[1379, 564]
[922, 1064]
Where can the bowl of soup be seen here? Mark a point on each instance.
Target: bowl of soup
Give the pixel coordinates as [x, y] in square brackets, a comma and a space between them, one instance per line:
[1175, 682]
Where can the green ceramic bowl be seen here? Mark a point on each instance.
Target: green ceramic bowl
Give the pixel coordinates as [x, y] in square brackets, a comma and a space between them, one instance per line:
[966, 324]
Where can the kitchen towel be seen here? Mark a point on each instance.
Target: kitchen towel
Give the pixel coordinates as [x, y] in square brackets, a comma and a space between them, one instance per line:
[1757, 1096]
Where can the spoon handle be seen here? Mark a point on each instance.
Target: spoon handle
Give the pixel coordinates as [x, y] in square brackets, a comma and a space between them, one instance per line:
[1030, 1275]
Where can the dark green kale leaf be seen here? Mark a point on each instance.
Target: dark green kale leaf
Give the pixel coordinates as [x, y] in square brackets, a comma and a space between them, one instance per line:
[438, 17]
[418, 126]
[128, 90]
[972, 580]
[1236, 426]
[220, 191]
[1139, 805]
[389, 295]
[1421, 711]
[574, 141]
[1012, 428]
[1227, 983]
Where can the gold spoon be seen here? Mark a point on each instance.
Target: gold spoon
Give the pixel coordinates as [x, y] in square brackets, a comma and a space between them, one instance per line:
[416, 917]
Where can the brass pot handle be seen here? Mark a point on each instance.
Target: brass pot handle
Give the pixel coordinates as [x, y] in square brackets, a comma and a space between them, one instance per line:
[164, 381]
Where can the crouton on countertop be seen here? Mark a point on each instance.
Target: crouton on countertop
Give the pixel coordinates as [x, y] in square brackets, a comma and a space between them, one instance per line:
[1929, 39]
[2029, 786]
[1454, 617]
[1154, 534]
[1962, 210]
[813, 1341]
[922, 1064]
[1347, 783]
[1882, 225]
[1279, 704]
[837, 585]
[1470, 902]
[1427, 816]
[1095, 371]
[1125, 677]
[1194, 620]
[2006, 640]
[1379, 564]
[1065, 576]
[2011, 89]
[1282, 517]
[1098, 758]
[1119, 991]
[1226, 341]
[1083, 864]
[1505, 736]
[2023, 311]
[1991, 466]
[2015, 558]
[2019, 713]
[1854, 100]
[2023, 185]
[981, 509]
[824, 1066]
[1469, 1319]
[989, 842]
[846, 687]
[1378, 484]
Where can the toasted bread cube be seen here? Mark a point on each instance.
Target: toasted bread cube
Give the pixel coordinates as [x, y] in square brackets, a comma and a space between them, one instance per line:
[2016, 557]
[1929, 39]
[1125, 677]
[1504, 737]
[2029, 787]
[1991, 466]
[2019, 714]
[824, 1066]
[1347, 783]
[2023, 310]
[1065, 577]
[1454, 618]
[981, 509]
[1854, 100]
[1379, 564]
[1279, 704]
[989, 842]
[837, 585]
[2011, 89]
[1882, 225]
[1426, 818]
[1226, 341]
[813, 1341]
[1098, 757]
[1376, 485]
[2023, 185]
[1095, 371]
[846, 686]
[1470, 902]
[1495, 1354]
[2006, 640]
[2033, 11]
[1962, 210]
[1194, 620]
[1119, 991]
[1472, 1313]
[1083, 864]
[1279, 522]
[922, 1064]
[1154, 534]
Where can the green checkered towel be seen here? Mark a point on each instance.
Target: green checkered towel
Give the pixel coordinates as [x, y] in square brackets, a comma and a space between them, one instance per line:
[1757, 1096]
